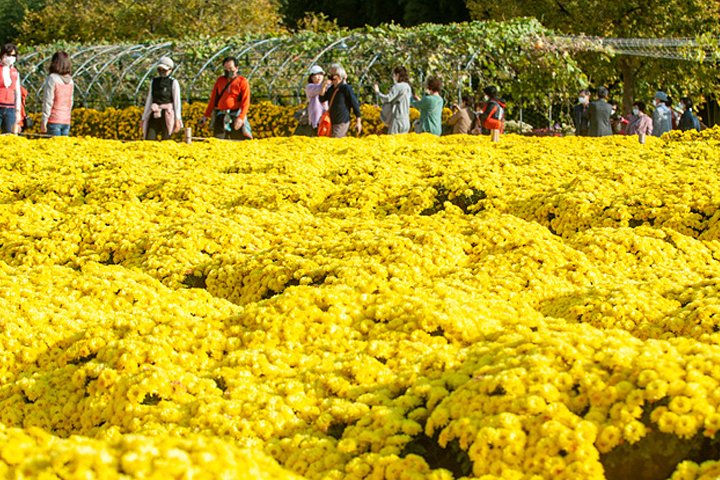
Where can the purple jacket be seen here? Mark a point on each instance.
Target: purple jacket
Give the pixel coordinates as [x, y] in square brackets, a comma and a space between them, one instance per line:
[315, 106]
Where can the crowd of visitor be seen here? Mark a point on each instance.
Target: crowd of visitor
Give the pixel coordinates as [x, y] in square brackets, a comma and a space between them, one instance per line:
[331, 104]
[600, 118]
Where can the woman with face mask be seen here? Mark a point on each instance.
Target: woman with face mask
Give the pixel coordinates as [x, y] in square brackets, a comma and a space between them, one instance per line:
[57, 97]
[640, 122]
[10, 94]
[396, 103]
[313, 89]
[163, 108]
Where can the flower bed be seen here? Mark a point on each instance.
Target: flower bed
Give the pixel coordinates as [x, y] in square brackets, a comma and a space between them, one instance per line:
[387, 307]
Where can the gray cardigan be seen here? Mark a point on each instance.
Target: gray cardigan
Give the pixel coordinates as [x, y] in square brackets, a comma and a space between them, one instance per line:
[399, 98]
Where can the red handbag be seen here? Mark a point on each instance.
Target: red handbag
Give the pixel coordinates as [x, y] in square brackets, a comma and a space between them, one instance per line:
[325, 125]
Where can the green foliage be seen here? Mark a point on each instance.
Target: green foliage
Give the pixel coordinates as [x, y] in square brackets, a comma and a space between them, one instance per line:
[516, 56]
[128, 20]
[359, 13]
[318, 23]
[636, 76]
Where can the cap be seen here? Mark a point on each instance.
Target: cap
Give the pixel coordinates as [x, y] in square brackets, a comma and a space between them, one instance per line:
[316, 69]
[662, 96]
[166, 63]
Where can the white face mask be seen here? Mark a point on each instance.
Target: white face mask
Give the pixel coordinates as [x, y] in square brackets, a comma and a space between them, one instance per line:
[581, 100]
[486, 98]
[636, 111]
[8, 60]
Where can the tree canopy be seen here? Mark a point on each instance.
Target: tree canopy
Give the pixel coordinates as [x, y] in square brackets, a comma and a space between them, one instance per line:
[89, 21]
[626, 19]
[359, 13]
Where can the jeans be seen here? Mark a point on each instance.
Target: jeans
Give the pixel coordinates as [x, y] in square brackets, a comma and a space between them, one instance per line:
[58, 130]
[7, 119]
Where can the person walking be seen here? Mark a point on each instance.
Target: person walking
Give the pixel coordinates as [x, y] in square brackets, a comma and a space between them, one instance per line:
[462, 118]
[599, 113]
[430, 106]
[580, 114]
[688, 120]
[163, 107]
[58, 97]
[313, 89]
[397, 102]
[229, 104]
[341, 100]
[662, 117]
[10, 94]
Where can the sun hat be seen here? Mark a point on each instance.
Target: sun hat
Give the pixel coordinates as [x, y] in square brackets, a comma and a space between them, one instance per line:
[662, 96]
[316, 69]
[166, 63]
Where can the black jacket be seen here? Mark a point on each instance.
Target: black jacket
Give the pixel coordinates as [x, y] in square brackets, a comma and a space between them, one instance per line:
[344, 101]
[581, 120]
[687, 121]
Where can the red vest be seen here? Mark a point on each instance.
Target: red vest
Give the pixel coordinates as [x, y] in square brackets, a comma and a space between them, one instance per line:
[62, 104]
[7, 95]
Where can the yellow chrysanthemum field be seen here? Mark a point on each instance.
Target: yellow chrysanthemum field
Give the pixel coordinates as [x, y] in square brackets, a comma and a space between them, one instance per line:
[405, 307]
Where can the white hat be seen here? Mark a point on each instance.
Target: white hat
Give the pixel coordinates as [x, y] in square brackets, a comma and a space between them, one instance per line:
[316, 69]
[166, 63]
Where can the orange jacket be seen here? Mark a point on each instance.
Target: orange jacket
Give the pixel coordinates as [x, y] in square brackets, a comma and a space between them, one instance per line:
[236, 96]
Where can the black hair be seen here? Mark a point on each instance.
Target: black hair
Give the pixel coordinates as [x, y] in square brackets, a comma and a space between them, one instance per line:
[687, 101]
[8, 48]
[490, 91]
[603, 92]
[641, 105]
[230, 59]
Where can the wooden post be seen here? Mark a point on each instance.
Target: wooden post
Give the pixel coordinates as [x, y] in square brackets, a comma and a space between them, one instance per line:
[495, 135]
[188, 135]
[641, 137]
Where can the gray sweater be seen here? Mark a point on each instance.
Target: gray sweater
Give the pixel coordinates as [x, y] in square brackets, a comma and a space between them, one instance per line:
[399, 98]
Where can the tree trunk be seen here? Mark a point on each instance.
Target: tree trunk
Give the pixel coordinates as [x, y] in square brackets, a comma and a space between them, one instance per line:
[627, 69]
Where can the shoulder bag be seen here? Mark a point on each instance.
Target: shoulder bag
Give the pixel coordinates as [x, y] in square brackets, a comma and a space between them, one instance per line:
[325, 125]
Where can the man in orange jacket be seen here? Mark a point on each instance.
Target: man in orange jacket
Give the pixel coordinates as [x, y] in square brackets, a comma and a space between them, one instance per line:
[229, 103]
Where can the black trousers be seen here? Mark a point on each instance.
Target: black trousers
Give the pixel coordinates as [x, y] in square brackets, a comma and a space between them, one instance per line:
[157, 126]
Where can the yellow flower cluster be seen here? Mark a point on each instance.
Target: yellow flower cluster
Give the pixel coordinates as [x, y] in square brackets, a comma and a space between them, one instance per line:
[392, 307]
[33, 453]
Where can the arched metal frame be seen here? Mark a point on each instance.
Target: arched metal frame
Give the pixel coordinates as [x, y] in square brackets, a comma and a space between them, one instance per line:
[277, 67]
